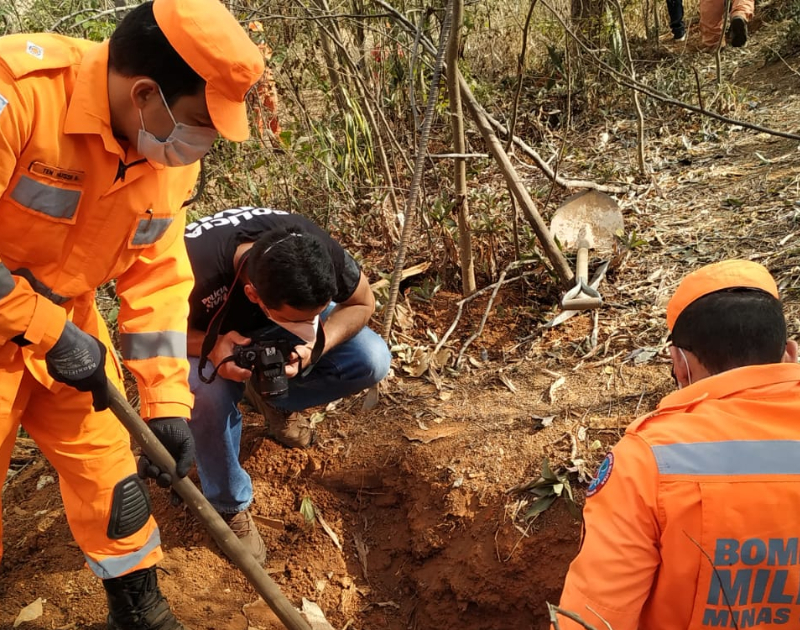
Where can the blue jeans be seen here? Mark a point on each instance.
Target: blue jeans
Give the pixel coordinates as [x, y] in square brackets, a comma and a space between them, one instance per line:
[216, 421]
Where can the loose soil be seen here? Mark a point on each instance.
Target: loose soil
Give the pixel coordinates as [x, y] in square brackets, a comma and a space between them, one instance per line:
[416, 488]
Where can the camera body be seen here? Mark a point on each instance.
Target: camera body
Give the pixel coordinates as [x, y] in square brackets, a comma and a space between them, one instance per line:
[267, 360]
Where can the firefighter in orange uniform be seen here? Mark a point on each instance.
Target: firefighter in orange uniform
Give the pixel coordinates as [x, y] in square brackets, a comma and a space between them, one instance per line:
[692, 521]
[99, 148]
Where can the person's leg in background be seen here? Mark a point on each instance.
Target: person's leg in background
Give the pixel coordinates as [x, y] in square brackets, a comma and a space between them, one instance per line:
[741, 14]
[216, 425]
[676, 23]
[711, 12]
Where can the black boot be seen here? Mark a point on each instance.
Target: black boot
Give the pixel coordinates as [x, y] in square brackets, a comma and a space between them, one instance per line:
[136, 603]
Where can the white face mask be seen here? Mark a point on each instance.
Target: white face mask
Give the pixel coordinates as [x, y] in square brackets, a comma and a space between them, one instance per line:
[185, 145]
[307, 331]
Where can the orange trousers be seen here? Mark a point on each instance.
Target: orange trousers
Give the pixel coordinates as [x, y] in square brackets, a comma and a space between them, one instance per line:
[89, 450]
[711, 17]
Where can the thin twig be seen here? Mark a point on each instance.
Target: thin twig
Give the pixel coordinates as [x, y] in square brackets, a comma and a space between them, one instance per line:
[699, 88]
[555, 611]
[477, 333]
[478, 293]
[636, 103]
[717, 575]
[520, 69]
[717, 53]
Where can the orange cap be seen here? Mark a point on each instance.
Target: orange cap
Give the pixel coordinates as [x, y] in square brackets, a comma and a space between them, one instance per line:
[210, 40]
[728, 274]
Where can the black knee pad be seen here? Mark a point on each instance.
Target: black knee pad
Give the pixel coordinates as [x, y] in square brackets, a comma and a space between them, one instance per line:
[130, 508]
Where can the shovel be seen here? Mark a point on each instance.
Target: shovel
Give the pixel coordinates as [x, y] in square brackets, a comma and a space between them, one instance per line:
[588, 220]
[206, 514]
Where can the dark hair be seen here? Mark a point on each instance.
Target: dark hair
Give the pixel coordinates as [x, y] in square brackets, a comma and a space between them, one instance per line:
[289, 266]
[732, 328]
[138, 48]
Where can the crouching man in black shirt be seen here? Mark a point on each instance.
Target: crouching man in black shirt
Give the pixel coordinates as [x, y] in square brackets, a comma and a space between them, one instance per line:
[278, 285]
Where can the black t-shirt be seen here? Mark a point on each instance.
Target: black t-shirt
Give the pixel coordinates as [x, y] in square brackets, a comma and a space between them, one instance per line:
[211, 243]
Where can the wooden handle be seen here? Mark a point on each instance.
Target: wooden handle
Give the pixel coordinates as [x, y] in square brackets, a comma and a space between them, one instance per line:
[206, 514]
[581, 303]
[582, 263]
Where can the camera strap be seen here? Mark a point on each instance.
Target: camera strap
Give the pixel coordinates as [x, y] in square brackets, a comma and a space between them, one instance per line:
[212, 332]
[316, 351]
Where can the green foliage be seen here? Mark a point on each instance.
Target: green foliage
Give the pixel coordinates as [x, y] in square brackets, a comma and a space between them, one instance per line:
[546, 489]
[631, 240]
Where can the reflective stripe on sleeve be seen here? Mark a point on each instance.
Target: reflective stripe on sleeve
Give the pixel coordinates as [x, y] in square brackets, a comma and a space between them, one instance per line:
[147, 345]
[116, 566]
[40, 287]
[7, 283]
[56, 202]
[740, 457]
[150, 230]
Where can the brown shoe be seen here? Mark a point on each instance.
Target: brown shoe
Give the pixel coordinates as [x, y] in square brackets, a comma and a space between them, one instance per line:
[288, 428]
[242, 524]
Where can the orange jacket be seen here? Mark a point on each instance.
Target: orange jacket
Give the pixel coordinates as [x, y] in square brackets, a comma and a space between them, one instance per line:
[712, 475]
[72, 217]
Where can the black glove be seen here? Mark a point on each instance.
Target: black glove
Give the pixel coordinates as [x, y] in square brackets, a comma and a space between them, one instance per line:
[79, 360]
[175, 435]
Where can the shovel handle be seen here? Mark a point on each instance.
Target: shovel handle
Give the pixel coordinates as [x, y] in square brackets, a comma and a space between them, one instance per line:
[206, 514]
[582, 262]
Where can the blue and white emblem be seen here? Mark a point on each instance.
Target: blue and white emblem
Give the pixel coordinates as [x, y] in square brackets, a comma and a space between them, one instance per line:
[603, 475]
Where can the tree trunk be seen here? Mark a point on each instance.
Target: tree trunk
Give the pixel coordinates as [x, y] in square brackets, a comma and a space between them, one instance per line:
[459, 148]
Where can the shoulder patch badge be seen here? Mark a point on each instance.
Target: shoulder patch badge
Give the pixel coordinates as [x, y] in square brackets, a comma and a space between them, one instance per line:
[3, 103]
[603, 475]
[35, 51]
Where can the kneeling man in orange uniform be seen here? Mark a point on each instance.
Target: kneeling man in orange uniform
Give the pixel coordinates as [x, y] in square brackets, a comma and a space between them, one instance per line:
[692, 520]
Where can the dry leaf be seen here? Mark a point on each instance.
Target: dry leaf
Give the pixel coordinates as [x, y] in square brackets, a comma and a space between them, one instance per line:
[31, 612]
[329, 531]
[362, 550]
[429, 436]
[314, 616]
[507, 382]
[551, 393]
[544, 421]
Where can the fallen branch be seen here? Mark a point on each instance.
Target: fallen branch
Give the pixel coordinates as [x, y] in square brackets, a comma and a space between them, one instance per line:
[555, 611]
[551, 250]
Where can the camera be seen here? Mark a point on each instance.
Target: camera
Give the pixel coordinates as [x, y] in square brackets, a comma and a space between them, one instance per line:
[267, 360]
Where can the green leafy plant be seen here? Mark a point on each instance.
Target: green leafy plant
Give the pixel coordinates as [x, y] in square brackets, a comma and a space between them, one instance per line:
[546, 489]
[631, 240]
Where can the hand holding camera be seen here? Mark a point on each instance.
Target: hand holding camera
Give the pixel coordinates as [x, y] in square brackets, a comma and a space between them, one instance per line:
[267, 360]
[224, 348]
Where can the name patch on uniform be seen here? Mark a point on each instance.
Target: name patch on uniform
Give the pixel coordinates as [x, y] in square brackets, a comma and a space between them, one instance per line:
[34, 50]
[603, 475]
[63, 175]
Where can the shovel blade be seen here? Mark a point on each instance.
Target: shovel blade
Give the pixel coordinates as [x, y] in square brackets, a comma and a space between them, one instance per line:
[592, 217]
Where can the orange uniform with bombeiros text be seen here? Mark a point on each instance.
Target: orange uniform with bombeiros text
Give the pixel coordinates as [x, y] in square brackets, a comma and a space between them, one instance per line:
[77, 210]
[692, 522]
